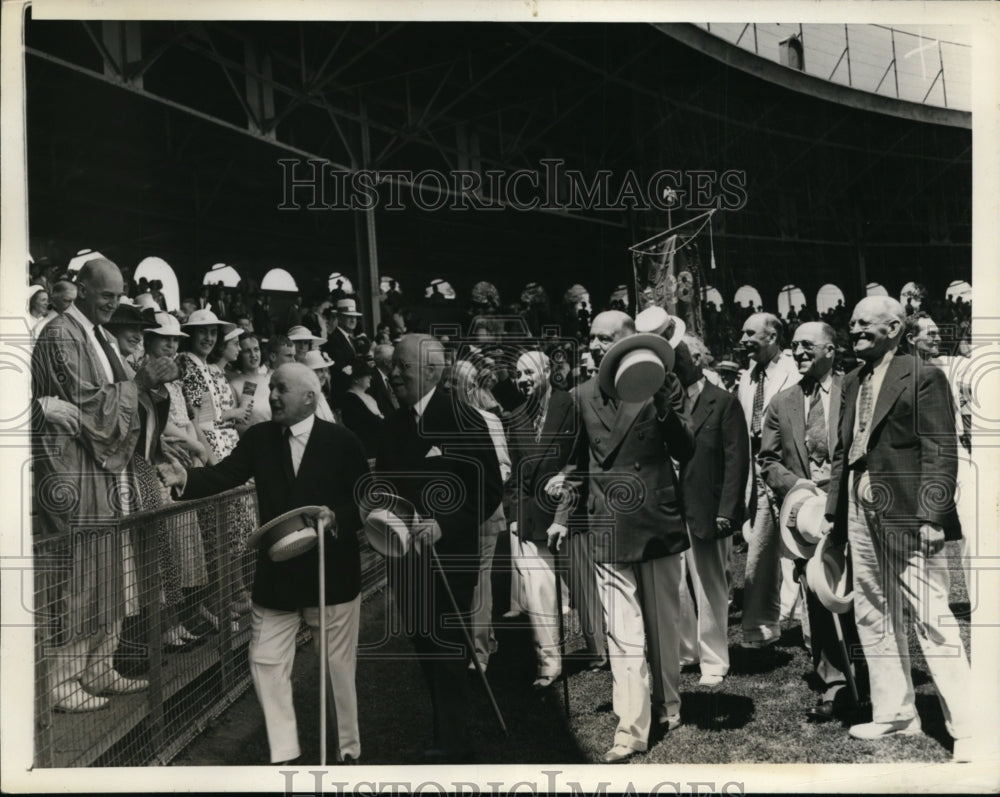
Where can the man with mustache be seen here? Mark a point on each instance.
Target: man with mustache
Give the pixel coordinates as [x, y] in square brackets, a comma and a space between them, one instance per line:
[765, 602]
[892, 484]
[542, 434]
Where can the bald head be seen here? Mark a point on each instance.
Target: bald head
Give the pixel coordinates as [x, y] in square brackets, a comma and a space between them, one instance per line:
[418, 362]
[606, 329]
[382, 354]
[877, 325]
[295, 391]
[99, 286]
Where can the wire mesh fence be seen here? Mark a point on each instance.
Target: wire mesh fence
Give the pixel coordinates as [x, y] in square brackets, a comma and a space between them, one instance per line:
[142, 630]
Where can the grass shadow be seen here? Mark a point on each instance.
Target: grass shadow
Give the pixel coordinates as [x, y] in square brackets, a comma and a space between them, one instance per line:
[716, 711]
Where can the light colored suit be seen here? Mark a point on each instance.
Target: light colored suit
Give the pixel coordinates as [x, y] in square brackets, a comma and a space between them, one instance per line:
[764, 600]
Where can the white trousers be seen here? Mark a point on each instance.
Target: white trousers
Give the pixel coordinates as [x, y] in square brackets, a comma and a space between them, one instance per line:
[704, 634]
[893, 578]
[762, 582]
[641, 613]
[272, 653]
[534, 563]
[516, 587]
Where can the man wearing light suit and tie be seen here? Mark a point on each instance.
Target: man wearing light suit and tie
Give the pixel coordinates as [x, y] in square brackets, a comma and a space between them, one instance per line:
[764, 601]
[892, 487]
[797, 443]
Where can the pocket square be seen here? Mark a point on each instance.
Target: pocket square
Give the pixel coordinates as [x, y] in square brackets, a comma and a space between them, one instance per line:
[433, 452]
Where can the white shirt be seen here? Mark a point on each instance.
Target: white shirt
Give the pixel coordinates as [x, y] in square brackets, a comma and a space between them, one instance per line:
[781, 372]
[88, 325]
[421, 405]
[300, 437]
[878, 376]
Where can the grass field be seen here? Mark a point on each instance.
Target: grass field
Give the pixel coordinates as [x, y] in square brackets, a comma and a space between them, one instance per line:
[756, 716]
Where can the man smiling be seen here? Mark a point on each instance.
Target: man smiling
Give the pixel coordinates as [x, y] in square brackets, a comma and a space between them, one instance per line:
[891, 496]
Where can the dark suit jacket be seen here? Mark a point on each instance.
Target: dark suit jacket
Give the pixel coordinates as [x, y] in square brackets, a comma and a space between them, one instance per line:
[331, 465]
[634, 506]
[783, 457]
[459, 489]
[533, 464]
[381, 392]
[911, 453]
[715, 477]
[362, 421]
[342, 352]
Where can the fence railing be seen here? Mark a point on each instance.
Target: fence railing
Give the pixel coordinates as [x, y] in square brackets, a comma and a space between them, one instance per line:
[876, 58]
[182, 569]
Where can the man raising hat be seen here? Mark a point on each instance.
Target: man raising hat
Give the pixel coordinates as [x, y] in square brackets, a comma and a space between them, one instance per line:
[297, 460]
[636, 522]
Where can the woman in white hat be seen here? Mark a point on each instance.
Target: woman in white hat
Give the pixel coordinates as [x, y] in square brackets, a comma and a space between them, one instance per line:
[235, 415]
[320, 363]
[182, 552]
[211, 407]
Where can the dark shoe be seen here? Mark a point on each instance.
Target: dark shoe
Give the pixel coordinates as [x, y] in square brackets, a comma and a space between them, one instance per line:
[598, 664]
[349, 761]
[821, 712]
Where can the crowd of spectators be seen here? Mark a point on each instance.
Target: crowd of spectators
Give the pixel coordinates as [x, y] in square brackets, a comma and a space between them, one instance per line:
[200, 375]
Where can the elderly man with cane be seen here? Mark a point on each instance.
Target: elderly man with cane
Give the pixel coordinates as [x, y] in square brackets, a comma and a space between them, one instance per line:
[302, 466]
[438, 456]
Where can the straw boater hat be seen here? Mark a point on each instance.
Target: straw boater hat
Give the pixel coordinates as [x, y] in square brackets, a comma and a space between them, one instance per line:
[800, 520]
[390, 527]
[317, 360]
[348, 307]
[206, 318]
[301, 333]
[633, 368]
[287, 535]
[828, 576]
[234, 333]
[167, 326]
[659, 322]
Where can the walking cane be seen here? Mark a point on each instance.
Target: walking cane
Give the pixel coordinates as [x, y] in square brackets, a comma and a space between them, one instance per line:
[468, 641]
[848, 671]
[321, 532]
[562, 625]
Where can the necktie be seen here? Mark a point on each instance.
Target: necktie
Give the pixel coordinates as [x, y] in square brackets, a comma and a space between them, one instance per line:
[287, 458]
[117, 369]
[816, 432]
[758, 400]
[388, 389]
[860, 444]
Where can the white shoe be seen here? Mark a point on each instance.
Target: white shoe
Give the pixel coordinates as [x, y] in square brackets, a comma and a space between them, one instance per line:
[710, 680]
[876, 730]
[963, 752]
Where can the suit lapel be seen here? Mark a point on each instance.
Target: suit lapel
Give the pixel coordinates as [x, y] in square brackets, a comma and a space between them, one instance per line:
[850, 399]
[897, 377]
[834, 414]
[605, 409]
[794, 401]
[627, 412]
[703, 407]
